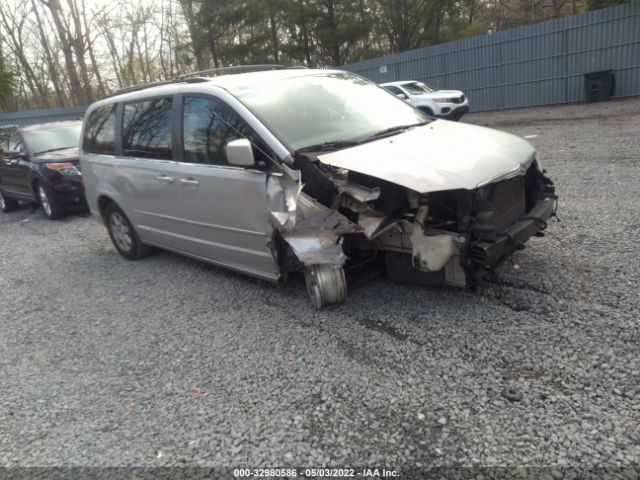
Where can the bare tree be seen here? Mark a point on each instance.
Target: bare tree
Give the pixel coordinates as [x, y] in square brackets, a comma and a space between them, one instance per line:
[77, 89]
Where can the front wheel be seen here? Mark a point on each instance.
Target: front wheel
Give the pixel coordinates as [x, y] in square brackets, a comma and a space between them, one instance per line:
[7, 204]
[326, 285]
[49, 204]
[123, 235]
[426, 110]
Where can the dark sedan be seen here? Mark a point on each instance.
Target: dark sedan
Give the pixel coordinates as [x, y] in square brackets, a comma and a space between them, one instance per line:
[39, 164]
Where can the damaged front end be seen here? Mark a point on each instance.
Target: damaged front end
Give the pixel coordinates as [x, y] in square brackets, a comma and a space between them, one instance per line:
[325, 218]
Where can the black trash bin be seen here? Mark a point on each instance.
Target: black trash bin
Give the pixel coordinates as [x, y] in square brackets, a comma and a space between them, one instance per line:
[599, 85]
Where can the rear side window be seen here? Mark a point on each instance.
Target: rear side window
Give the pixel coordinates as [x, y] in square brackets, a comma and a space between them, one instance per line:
[100, 131]
[208, 125]
[146, 130]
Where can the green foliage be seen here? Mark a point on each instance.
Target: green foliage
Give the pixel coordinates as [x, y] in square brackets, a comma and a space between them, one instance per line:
[7, 86]
[455, 28]
[596, 4]
[332, 32]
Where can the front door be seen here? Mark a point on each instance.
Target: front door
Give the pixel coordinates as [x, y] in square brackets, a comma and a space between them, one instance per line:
[14, 166]
[197, 203]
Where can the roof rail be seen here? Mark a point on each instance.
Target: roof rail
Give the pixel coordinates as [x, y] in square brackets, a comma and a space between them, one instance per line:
[9, 127]
[144, 86]
[205, 75]
[215, 72]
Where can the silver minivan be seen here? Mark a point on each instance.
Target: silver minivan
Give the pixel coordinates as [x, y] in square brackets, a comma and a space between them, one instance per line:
[315, 171]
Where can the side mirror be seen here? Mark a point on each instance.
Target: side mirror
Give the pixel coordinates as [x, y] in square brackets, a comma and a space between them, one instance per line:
[402, 96]
[240, 153]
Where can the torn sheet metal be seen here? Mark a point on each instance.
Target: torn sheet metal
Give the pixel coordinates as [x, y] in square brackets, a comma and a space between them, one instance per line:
[313, 249]
[283, 199]
[370, 222]
[312, 230]
[360, 193]
[316, 236]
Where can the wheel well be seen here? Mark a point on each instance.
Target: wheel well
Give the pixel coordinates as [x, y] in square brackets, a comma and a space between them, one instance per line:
[426, 110]
[103, 201]
[34, 188]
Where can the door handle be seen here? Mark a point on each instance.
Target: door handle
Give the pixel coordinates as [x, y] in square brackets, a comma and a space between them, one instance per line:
[189, 181]
[165, 179]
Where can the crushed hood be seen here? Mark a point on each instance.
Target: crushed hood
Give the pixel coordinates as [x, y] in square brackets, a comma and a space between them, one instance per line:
[441, 155]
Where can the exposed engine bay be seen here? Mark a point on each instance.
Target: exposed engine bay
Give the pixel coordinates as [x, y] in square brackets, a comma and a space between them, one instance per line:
[329, 216]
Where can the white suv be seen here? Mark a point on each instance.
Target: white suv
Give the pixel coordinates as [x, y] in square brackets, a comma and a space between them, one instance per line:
[448, 104]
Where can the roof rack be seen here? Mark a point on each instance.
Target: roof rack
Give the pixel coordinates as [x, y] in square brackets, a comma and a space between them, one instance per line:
[9, 127]
[215, 72]
[144, 86]
[205, 75]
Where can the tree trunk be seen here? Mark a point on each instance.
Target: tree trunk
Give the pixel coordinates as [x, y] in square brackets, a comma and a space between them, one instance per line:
[74, 80]
[274, 37]
[51, 66]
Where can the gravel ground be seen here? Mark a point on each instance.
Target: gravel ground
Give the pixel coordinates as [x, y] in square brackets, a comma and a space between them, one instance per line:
[167, 361]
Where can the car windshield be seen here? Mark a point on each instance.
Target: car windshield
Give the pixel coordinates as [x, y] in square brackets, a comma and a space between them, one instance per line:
[332, 107]
[418, 88]
[52, 138]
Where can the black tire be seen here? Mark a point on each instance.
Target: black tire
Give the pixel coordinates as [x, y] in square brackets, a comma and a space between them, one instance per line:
[48, 202]
[427, 110]
[7, 204]
[123, 235]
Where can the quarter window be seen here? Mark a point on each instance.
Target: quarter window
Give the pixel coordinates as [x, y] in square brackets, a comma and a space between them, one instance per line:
[208, 126]
[146, 130]
[100, 131]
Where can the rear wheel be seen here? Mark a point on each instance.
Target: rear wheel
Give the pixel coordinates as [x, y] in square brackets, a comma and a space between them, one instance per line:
[123, 235]
[7, 204]
[326, 285]
[51, 207]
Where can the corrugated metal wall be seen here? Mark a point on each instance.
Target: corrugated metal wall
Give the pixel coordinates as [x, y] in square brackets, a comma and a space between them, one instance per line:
[30, 117]
[538, 64]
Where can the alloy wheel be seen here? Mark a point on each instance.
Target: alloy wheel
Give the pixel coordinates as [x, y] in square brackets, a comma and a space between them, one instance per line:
[44, 201]
[2, 204]
[120, 231]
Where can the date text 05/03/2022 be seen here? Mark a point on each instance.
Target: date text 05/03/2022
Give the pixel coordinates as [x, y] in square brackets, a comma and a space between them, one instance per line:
[315, 472]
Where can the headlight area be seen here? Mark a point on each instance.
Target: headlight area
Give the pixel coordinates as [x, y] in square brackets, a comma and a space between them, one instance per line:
[65, 168]
[443, 100]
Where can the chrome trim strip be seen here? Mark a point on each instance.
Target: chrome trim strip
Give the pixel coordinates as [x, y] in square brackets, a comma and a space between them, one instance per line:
[213, 244]
[199, 224]
[261, 274]
[520, 169]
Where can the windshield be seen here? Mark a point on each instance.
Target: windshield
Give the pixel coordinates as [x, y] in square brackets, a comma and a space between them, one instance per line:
[417, 88]
[55, 138]
[331, 107]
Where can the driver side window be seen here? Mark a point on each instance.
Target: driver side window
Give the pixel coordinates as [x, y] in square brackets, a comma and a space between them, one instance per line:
[208, 125]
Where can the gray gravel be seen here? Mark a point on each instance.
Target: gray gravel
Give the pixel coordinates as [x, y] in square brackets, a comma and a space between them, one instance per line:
[167, 361]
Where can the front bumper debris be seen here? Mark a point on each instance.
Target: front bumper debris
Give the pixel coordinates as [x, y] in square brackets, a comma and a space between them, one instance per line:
[489, 253]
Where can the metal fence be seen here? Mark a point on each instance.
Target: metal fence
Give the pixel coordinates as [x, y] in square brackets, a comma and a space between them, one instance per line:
[538, 64]
[30, 117]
